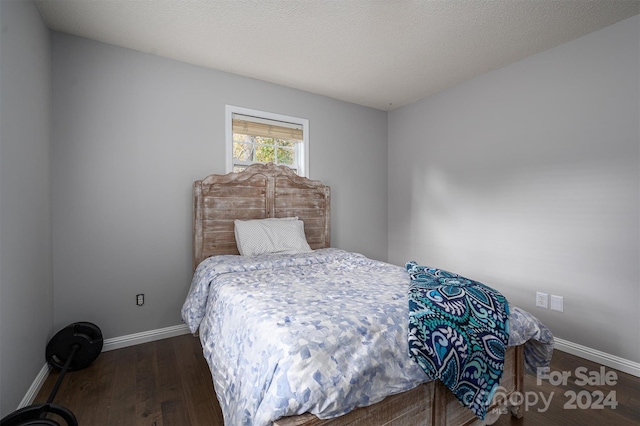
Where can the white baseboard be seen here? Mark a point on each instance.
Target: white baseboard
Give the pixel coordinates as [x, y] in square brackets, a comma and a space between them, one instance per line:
[144, 337]
[608, 360]
[35, 386]
[108, 345]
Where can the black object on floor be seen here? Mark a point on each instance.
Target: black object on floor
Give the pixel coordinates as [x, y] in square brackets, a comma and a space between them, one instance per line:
[73, 348]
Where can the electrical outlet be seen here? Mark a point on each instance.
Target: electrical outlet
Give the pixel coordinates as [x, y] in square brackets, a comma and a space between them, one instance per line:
[140, 299]
[542, 300]
[557, 303]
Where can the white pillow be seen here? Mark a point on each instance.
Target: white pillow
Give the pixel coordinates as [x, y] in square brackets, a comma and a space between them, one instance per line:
[273, 235]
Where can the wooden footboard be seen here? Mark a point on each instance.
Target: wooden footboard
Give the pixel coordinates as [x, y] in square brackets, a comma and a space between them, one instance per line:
[430, 404]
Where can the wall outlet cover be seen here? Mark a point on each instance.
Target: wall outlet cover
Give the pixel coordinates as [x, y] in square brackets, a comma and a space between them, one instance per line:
[542, 300]
[557, 303]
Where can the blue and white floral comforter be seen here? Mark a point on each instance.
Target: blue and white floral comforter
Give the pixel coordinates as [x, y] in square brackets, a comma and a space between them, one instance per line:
[321, 332]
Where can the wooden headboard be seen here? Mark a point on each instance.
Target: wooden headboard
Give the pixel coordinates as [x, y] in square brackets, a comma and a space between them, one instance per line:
[258, 192]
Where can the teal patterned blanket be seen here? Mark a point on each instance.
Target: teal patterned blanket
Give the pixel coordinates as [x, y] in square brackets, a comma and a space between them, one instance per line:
[458, 333]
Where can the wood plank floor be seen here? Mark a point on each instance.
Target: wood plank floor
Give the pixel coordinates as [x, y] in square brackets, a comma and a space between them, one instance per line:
[161, 383]
[167, 383]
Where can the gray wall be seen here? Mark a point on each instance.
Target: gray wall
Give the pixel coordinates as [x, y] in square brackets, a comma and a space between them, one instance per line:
[131, 132]
[527, 178]
[26, 285]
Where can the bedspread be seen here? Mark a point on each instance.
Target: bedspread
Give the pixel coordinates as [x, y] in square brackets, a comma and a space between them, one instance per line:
[321, 332]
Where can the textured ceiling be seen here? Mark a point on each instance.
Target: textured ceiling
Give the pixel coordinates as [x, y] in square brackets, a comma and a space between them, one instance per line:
[378, 53]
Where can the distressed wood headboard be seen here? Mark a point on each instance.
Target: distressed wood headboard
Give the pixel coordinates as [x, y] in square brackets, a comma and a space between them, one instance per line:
[258, 192]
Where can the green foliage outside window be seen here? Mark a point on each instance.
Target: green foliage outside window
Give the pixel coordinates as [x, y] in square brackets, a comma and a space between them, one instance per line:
[263, 150]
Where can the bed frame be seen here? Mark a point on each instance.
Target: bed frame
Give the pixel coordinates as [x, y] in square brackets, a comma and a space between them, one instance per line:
[264, 191]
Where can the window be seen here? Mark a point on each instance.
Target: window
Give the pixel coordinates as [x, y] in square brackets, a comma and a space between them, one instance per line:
[263, 137]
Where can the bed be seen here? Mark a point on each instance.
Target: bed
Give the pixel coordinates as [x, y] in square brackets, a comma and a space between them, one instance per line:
[271, 192]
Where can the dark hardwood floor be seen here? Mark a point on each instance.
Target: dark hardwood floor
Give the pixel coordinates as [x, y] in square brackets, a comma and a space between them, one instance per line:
[167, 382]
[161, 383]
[579, 401]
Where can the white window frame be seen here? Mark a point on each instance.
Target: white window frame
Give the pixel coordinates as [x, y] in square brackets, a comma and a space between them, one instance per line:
[303, 149]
